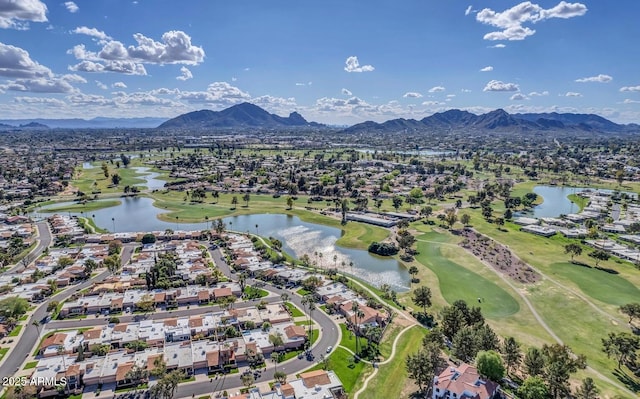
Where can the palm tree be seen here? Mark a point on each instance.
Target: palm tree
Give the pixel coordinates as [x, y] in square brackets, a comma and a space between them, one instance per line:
[234, 202]
[206, 219]
[355, 309]
[36, 324]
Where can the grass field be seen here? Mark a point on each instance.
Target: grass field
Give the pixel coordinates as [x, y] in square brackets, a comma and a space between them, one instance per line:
[31, 365]
[386, 384]
[591, 281]
[16, 331]
[295, 312]
[3, 352]
[348, 372]
[86, 207]
[457, 282]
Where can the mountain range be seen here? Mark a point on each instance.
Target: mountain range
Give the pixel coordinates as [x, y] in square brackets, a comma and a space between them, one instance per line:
[251, 116]
[496, 120]
[240, 115]
[77, 123]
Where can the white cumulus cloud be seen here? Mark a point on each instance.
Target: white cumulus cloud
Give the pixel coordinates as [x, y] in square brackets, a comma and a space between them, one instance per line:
[93, 32]
[538, 94]
[185, 74]
[346, 92]
[487, 69]
[71, 6]
[436, 89]
[572, 94]
[352, 65]
[468, 10]
[175, 47]
[510, 21]
[497, 85]
[16, 63]
[101, 85]
[17, 14]
[119, 85]
[518, 97]
[630, 101]
[217, 93]
[598, 79]
[412, 94]
[630, 88]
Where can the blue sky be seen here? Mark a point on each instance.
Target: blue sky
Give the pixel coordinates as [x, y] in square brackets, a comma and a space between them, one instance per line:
[338, 62]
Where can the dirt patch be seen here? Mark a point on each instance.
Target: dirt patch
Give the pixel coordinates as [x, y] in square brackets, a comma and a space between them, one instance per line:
[498, 256]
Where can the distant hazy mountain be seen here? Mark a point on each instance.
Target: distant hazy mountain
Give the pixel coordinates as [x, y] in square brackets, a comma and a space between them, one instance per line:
[241, 115]
[497, 120]
[77, 123]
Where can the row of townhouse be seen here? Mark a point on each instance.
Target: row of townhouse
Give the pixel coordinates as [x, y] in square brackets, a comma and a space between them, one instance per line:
[167, 235]
[193, 260]
[336, 295]
[251, 321]
[102, 301]
[341, 299]
[65, 225]
[246, 258]
[115, 368]
[49, 269]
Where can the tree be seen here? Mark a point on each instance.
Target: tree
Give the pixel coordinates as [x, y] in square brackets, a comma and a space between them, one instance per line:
[13, 307]
[397, 202]
[247, 379]
[413, 270]
[533, 388]
[276, 340]
[422, 298]
[452, 320]
[146, 303]
[36, 324]
[599, 255]
[26, 391]
[246, 198]
[511, 352]
[289, 203]
[422, 366]
[426, 211]
[573, 249]
[486, 338]
[534, 362]
[587, 390]
[148, 238]
[490, 365]
[622, 346]
[355, 308]
[115, 179]
[560, 363]
[465, 219]
[450, 217]
[632, 310]
[280, 376]
[234, 202]
[465, 345]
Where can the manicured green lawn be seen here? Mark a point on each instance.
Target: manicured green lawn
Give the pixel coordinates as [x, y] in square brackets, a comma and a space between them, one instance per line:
[31, 365]
[15, 331]
[457, 282]
[85, 207]
[386, 384]
[591, 281]
[293, 309]
[3, 352]
[349, 340]
[347, 371]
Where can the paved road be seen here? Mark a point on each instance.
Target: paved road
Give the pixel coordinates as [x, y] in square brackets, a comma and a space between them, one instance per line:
[329, 337]
[329, 333]
[29, 338]
[44, 240]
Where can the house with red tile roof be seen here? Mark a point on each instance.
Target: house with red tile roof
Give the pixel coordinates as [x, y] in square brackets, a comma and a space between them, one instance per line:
[463, 382]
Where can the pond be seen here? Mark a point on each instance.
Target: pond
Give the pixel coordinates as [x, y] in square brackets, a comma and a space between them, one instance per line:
[151, 183]
[299, 238]
[137, 214]
[555, 201]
